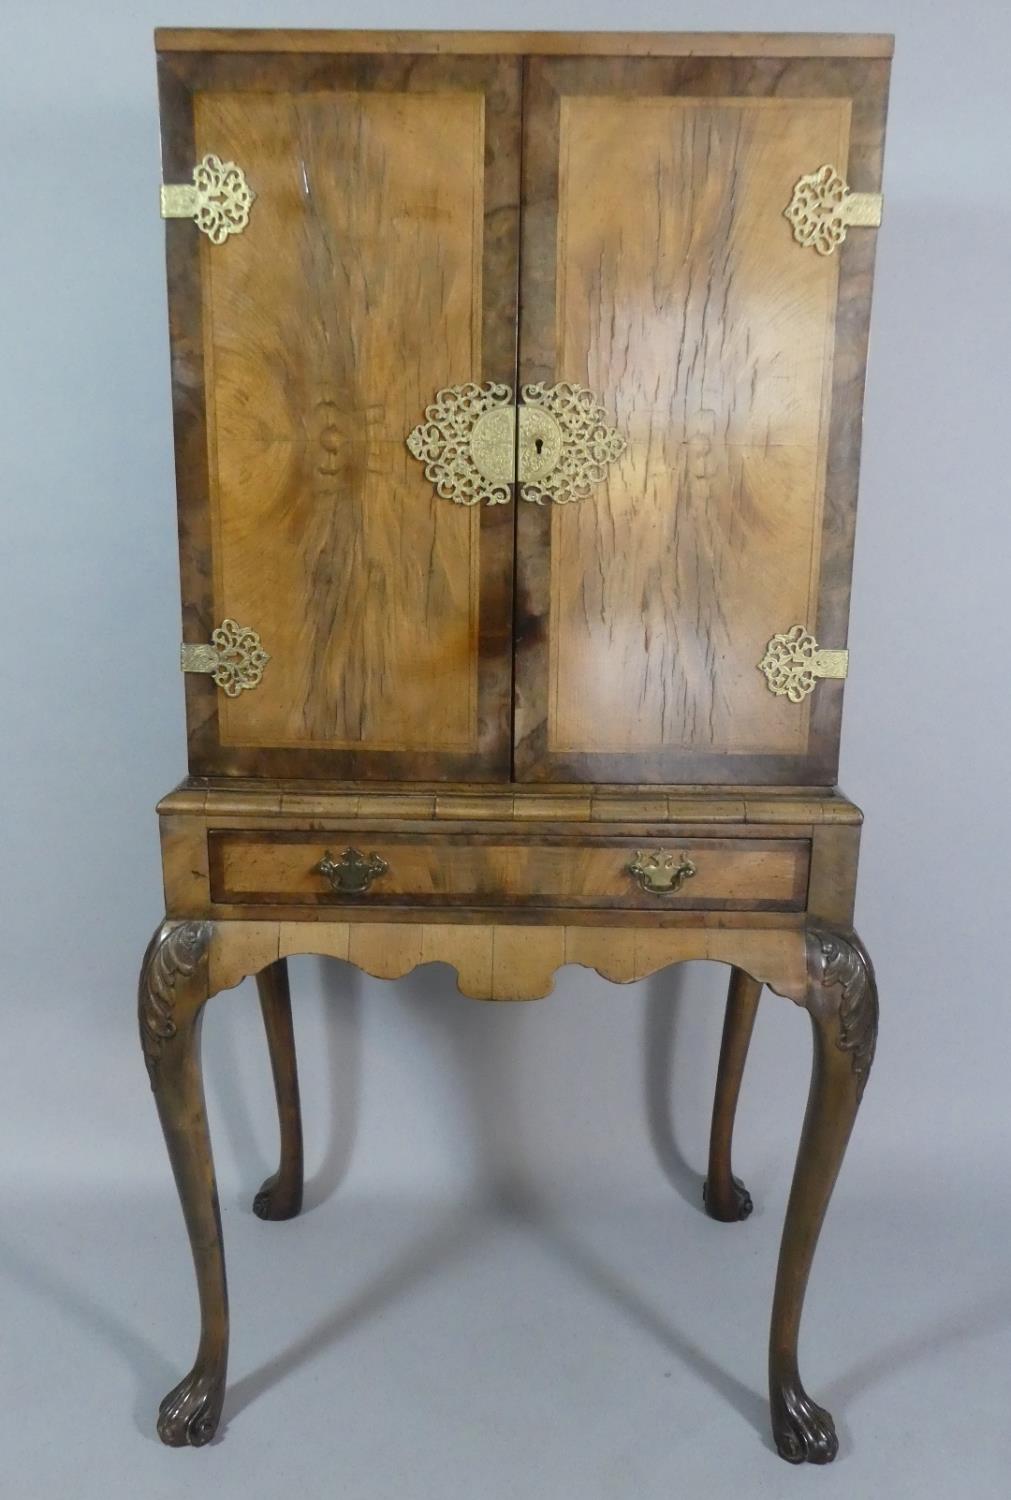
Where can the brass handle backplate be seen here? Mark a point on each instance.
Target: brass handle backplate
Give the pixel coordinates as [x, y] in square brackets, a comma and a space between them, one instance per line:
[660, 872]
[352, 873]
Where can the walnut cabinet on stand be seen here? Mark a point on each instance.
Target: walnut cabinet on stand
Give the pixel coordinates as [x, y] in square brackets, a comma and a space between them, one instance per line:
[517, 383]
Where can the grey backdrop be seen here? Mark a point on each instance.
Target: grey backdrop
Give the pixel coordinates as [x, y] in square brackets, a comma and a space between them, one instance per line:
[411, 1093]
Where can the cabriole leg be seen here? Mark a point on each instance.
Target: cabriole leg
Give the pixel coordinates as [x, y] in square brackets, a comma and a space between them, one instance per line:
[726, 1198]
[173, 989]
[843, 1004]
[280, 1197]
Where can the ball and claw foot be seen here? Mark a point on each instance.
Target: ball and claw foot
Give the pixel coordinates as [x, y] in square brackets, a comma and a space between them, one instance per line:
[277, 1200]
[190, 1413]
[739, 1206]
[804, 1432]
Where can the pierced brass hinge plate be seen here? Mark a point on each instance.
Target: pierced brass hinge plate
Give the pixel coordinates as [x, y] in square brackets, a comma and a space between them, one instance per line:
[218, 199]
[235, 658]
[823, 208]
[794, 662]
[472, 451]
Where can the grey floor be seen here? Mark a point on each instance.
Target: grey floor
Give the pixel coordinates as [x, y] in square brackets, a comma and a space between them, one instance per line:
[415, 1350]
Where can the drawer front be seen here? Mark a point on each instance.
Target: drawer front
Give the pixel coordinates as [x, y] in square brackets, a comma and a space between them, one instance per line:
[473, 870]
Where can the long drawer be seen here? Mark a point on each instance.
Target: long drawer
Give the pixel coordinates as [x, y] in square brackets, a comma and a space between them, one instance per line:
[257, 868]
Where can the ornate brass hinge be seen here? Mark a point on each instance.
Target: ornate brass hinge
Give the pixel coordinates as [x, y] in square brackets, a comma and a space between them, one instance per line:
[218, 199]
[823, 208]
[235, 658]
[472, 450]
[794, 661]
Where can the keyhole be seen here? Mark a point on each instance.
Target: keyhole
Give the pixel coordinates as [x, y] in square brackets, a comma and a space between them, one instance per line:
[539, 446]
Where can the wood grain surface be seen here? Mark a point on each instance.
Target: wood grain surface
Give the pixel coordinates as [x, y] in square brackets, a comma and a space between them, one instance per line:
[543, 43]
[241, 797]
[472, 869]
[379, 264]
[659, 271]
[326, 533]
[548, 857]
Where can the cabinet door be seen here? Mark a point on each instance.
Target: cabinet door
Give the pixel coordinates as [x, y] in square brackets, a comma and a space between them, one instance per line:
[378, 265]
[660, 271]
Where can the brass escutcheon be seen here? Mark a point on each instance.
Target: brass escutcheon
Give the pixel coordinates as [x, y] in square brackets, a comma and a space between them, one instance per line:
[476, 443]
[566, 443]
[541, 442]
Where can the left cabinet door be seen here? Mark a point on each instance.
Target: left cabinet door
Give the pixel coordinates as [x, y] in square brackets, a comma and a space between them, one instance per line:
[378, 266]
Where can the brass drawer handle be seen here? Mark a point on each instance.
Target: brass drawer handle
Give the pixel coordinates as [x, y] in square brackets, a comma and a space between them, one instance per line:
[352, 873]
[661, 873]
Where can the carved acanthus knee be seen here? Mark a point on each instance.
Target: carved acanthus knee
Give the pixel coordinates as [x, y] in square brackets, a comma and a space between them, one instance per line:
[843, 994]
[173, 986]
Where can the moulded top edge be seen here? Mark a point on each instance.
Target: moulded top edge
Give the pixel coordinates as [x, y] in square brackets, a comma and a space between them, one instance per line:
[224, 783]
[543, 43]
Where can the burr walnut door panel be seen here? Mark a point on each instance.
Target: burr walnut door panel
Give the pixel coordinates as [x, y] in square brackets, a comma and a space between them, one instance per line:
[379, 264]
[659, 270]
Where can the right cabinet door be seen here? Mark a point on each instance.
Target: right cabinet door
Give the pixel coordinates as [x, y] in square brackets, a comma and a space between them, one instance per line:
[724, 341]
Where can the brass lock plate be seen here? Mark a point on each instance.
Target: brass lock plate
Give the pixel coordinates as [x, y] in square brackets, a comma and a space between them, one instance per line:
[475, 443]
[493, 445]
[462, 470]
[541, 441]
[498, 455]
[568, 467]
